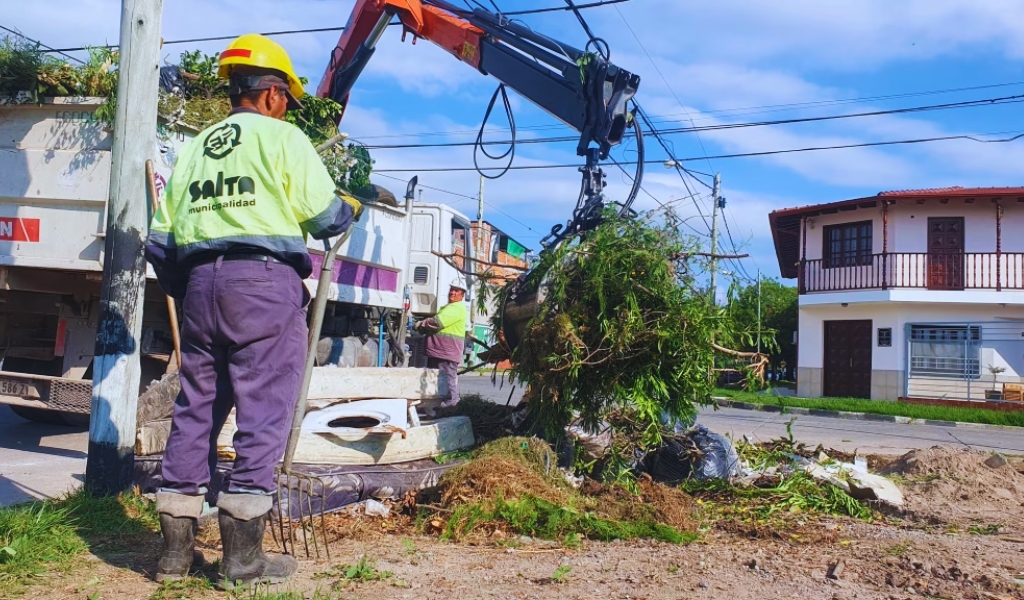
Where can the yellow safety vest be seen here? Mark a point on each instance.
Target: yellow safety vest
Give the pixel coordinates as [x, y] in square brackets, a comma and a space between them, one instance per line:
[250, 181]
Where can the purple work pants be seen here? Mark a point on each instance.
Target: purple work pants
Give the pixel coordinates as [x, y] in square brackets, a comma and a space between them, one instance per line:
[243, 345]
[450, 371]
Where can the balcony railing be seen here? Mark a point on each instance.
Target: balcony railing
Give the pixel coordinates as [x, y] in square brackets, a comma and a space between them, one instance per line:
[918, 270]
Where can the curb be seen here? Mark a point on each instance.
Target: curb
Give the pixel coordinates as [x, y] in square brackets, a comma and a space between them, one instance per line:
[724, 402]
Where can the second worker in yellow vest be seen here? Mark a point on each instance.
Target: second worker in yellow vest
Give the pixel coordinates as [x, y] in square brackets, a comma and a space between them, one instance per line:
[447, 339]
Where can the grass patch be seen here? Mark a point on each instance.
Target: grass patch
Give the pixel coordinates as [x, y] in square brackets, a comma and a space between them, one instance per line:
[542, 519]
[37, 538]
[362, 571]
[900, 409]
[185, 589]
[561, 574]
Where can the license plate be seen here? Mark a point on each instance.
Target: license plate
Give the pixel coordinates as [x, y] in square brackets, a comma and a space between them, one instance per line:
[11, 387]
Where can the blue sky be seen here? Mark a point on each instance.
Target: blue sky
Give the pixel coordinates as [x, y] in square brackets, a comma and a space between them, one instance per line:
[698, 61]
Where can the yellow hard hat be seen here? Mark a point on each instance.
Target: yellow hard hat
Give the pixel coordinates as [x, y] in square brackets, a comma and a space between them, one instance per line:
[255, 50]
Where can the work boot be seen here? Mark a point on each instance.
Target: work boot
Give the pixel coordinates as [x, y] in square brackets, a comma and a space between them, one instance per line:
[243, 521]
[179, 515]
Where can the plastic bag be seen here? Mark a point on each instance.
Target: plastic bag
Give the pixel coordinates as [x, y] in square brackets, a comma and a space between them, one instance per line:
[698, 454]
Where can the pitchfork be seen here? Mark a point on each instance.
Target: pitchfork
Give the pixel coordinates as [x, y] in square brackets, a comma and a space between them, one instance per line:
[306, 490]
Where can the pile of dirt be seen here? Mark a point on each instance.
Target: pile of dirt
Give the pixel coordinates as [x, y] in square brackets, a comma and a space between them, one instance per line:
[513, 486]
[512, 467]
[956, 487]
[488, 477]
[657, 502]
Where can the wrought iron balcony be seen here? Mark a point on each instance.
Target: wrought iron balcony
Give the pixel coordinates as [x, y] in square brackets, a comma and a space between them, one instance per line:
[915, 270]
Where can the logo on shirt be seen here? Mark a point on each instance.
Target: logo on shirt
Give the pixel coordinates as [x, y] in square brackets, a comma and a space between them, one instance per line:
[222, 141]
[215, 189]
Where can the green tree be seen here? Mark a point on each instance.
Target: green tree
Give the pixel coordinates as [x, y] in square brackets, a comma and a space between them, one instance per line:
[778, 319]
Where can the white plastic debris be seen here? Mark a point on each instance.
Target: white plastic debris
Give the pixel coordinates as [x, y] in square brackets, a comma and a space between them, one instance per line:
[856, 481]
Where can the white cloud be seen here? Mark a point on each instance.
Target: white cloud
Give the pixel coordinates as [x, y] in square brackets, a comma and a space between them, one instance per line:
[839, 34]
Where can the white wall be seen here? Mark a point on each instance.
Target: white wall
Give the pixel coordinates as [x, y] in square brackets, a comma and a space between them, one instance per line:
[896, 315]
[908, 223]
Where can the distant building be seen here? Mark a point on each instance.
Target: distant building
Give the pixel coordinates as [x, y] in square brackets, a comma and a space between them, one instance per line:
[909, 294]
[497, 252]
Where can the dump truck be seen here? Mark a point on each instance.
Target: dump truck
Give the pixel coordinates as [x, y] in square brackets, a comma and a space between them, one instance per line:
[54, 180]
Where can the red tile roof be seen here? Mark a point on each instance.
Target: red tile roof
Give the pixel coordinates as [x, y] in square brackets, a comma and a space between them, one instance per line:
[955, 190]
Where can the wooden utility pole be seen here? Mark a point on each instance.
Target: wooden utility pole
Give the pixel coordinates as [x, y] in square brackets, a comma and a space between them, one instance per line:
[116, 369]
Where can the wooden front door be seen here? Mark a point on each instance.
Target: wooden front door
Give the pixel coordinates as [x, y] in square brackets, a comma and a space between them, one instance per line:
[945, 253]
[848, 359]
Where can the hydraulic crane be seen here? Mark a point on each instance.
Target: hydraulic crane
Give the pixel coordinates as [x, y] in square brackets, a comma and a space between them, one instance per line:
[581, 88]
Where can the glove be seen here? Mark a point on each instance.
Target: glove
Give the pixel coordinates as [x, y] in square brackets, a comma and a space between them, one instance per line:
[357, 206]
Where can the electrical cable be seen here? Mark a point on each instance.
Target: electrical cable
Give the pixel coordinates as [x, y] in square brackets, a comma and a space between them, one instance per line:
[42, 45]
[479, 145]
[972, 138]
[640, 155]
[659, 119]
[317, 30]
[444, 191]
[665, 80]
[600, 46]
[675, 163]
[981, 102]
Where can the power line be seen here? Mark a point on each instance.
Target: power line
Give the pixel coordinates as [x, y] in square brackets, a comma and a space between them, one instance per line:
[665, 80]
[444, 191]
[221, 38]
[745, 110]
[972, 138]
[40, 44]
[983, 102]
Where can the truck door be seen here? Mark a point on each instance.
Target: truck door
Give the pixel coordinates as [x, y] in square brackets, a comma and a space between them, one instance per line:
[423, 265]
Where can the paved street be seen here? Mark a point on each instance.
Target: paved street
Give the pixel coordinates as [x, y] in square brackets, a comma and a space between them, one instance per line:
[38, 461]
[46, 460]
[868, 436]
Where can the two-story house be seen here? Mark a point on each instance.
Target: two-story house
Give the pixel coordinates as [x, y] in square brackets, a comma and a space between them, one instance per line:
[908, 294]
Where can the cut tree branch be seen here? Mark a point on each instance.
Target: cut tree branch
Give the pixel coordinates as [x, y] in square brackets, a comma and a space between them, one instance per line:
[478, 261]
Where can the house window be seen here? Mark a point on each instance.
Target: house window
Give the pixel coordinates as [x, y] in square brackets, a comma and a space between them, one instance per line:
[848, 244]
[948, 351]
[884, 337]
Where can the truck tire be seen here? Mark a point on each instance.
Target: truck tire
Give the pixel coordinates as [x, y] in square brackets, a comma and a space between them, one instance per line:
[51, 417]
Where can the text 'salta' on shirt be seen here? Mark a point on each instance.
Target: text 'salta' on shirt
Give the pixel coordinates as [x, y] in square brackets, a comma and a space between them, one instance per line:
[449, 337]
[249, 184]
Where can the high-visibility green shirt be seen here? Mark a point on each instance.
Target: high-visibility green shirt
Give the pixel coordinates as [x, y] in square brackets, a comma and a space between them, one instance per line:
[449, 341]
[248, 183]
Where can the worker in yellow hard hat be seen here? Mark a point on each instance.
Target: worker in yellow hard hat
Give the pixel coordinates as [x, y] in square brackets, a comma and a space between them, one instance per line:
[230, 239]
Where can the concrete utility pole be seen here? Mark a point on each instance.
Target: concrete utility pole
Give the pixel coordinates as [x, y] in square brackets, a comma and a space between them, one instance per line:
[759, 311]
[718, 202]
[480, 222]
[115, 391]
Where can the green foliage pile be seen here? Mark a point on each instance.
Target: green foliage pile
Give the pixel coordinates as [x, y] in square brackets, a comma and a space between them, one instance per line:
[25, 69]
[203, 102]
[536, 517]
[625, 326]
[514, 485]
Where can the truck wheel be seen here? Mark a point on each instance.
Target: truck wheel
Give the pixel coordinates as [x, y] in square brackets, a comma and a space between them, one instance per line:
[51, 417]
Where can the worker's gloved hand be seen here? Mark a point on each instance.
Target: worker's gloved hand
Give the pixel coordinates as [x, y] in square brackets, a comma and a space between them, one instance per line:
[357, 206]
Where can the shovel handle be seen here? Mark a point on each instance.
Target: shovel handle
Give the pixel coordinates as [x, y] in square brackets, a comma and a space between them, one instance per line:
[172, 310]
[319, 305]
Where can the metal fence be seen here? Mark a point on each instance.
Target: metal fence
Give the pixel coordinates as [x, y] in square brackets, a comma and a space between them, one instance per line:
[965, 361]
